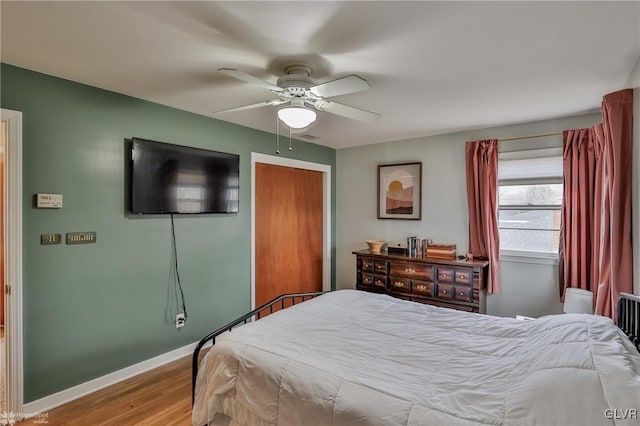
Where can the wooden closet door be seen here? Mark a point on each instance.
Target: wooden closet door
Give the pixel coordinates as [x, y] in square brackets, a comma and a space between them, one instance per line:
[288, 234]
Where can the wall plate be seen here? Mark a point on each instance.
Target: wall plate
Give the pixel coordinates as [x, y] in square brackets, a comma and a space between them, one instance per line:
[81, 237]
[48, 201]
[46, 239]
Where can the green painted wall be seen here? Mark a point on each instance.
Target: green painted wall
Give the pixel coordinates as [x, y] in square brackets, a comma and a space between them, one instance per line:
[96, 308]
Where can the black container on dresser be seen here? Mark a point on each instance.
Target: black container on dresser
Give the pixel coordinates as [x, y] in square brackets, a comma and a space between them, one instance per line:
[448, 283]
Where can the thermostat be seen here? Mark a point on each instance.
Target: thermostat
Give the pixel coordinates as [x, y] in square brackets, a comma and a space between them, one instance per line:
[48, 201]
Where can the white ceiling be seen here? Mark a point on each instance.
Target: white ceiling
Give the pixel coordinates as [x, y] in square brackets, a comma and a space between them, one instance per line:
[434, 67]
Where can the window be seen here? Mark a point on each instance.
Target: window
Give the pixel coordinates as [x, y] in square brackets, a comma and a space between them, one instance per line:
[530, 200]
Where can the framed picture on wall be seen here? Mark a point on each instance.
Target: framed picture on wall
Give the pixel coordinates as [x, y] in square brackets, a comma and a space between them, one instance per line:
[400, 191]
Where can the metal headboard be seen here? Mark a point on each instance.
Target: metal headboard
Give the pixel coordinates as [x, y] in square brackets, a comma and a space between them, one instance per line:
[629, 317]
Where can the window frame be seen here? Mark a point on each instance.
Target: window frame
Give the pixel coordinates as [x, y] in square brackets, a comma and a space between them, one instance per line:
[528, 256]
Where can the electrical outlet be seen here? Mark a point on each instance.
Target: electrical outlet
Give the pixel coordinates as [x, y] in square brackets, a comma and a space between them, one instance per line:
[180, 320]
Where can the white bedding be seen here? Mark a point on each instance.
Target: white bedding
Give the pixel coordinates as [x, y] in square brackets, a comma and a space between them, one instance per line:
[356, 358]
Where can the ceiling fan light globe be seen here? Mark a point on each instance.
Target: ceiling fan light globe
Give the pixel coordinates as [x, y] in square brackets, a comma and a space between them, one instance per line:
[296, 117]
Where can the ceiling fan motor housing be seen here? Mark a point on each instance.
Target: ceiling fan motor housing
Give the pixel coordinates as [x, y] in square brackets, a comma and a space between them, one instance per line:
[296, 81]
[298, 77]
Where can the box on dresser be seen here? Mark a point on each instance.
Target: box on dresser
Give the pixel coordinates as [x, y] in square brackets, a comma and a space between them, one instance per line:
[441, 251]
[397, 249]
[448, 283]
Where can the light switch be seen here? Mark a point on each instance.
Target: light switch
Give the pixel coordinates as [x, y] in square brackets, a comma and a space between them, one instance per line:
[48, 201]
[81, 237]
[46, 239]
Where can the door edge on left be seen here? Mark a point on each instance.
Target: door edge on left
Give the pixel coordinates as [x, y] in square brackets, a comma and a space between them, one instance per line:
[13, 260]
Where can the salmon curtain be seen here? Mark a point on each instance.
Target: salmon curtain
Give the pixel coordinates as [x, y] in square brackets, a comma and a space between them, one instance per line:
[482, 188]
[583, 159]
[616, 262]
[596, 236]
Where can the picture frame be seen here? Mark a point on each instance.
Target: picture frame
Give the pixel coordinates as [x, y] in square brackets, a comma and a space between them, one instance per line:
[400, 191]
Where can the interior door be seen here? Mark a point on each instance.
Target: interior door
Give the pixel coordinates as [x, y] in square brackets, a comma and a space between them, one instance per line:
[288, 234]
[3, 133]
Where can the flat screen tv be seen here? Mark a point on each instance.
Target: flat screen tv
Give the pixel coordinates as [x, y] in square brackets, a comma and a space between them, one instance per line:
[168, 178]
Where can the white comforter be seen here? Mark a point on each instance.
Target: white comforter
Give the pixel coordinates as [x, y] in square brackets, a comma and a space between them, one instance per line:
[356, 358]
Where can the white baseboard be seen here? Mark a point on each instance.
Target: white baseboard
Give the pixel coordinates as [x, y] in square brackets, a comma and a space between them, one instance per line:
[49, 402]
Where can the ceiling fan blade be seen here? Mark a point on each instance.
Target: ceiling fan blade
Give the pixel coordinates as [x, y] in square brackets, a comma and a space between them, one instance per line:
[340, 86]
[252, 106]
[347, 111]
[241, 75]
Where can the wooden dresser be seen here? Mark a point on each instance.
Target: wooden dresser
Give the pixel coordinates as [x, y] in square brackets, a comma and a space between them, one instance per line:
[448, 283]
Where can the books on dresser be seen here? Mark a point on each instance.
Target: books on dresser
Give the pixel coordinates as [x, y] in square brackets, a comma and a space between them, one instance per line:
[422, 247]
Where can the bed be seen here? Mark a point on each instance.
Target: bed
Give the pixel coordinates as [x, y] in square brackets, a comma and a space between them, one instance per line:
[355, 358]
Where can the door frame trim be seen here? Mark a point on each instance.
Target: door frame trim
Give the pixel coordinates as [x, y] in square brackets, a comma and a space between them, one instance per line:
[257, 157]
[13, 259]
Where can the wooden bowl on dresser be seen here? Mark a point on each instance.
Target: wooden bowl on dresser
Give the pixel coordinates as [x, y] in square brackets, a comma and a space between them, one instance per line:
[375, 245]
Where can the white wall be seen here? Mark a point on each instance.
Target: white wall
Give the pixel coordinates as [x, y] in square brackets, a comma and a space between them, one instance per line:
[633, 82]
[528, 289]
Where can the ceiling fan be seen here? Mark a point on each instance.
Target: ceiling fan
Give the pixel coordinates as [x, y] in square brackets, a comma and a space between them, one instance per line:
[300, 96]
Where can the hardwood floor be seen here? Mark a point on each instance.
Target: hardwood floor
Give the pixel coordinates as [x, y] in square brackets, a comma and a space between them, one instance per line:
[158, 397]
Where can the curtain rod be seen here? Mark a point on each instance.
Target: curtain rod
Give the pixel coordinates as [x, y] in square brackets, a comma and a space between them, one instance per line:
[530, 137]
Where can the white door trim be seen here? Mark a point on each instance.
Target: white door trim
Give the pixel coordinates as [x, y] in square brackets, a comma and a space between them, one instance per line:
[13, 257]
[326, 215]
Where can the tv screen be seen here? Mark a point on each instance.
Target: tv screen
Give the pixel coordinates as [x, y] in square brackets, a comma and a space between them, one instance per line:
[168, 178]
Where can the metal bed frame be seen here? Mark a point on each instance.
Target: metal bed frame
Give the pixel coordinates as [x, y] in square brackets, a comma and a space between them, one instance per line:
[248, 317]
[629, 317]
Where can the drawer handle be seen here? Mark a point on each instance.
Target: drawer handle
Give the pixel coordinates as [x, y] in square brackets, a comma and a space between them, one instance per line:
[379, 282]
[462, 277]
[421, 287]
[444, 291]
[444, 275]
[410, 270]
[366, 280]
[398, 283]
[462, 293]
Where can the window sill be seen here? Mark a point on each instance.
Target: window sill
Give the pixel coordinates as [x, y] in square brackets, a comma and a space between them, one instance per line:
[529, 257]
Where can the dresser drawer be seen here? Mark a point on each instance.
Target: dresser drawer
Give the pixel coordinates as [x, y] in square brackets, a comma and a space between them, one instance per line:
[464, 293]
[463, 276]
[366, 278]
[423, 288]
[402, 285]
[445, 291]
[411, 270]
[367, 264]
[380, 281]
[380, 267]
[445, 275]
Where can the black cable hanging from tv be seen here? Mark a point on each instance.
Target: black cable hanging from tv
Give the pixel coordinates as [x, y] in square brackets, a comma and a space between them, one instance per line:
[175, 252]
